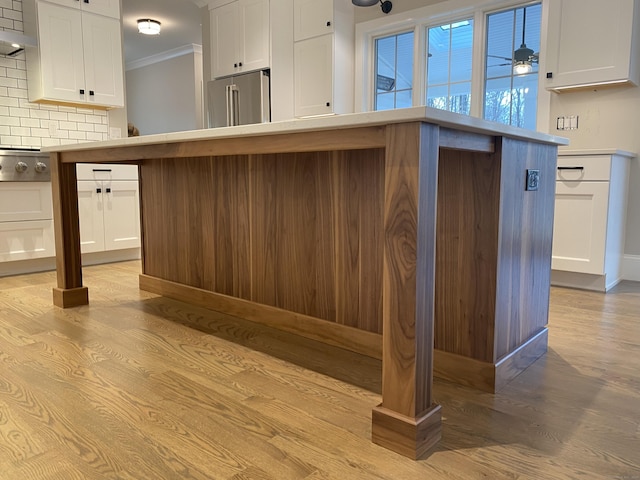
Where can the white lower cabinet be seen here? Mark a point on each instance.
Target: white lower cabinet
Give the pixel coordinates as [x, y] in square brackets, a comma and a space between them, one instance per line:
[26, 222]
[108, 207]
[590, 218]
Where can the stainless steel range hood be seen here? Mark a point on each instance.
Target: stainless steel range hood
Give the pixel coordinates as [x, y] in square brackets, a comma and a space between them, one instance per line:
[9, 40]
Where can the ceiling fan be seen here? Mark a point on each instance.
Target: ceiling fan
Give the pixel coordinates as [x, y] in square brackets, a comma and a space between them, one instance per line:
[523, 58]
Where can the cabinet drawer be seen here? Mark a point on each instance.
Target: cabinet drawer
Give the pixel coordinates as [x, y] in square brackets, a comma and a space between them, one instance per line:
[21, 201]
[105, 171]
[26, 240]
[575, 168]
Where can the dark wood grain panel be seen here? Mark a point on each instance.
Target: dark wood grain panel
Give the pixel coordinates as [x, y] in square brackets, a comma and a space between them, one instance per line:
[524, 269]
[466, 253]
[70, 291]
[319, 141]
[410, 201]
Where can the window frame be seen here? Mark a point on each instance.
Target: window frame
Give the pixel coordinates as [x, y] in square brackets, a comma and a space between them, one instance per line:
[420, 20]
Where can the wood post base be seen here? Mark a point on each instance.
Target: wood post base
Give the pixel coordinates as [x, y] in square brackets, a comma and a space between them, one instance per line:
[70, 297]
[411, 437]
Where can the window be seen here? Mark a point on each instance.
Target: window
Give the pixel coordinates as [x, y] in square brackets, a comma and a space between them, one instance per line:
[394, 71]
[511, 77]
[449, 57]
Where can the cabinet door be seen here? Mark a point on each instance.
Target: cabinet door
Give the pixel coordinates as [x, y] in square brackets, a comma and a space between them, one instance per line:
[61, 54]
[253, 47]
[90, 213]
[121, 215]
[578, 56]
[312, 18]
[224, 34]
[104, 81]
[313, 71]
[108, 8]
[21, 201]
[26, 240]
[580, 227]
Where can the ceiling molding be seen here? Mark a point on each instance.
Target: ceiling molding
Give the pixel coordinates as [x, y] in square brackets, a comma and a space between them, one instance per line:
[164, 56]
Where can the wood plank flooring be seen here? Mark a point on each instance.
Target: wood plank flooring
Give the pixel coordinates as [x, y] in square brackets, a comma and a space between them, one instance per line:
[135, 386]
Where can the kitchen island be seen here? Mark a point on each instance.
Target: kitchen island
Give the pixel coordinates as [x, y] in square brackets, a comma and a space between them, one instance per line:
[417, 236]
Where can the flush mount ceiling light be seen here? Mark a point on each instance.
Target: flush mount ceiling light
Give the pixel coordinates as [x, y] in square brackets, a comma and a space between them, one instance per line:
[384, 5]
[148, 26]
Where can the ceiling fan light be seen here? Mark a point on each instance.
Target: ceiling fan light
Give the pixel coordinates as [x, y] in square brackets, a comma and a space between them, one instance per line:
[522, 68]
[364, 3]
[148, 26]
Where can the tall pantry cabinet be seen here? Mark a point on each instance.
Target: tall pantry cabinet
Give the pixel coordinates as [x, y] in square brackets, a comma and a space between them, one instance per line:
[79, 56]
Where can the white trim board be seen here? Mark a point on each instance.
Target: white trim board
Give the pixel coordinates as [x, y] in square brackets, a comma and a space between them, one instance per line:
[163, 56]
[631, 268]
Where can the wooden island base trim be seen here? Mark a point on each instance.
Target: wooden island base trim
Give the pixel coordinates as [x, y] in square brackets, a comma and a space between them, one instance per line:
[349, 338]
[411, 437]
[487, 376]
[70, 297]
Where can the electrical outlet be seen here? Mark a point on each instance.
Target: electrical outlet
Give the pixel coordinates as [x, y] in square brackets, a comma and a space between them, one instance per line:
[53, 129]
[533, 180]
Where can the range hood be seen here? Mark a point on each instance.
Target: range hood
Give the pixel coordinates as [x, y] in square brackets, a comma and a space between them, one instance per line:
[9, 40]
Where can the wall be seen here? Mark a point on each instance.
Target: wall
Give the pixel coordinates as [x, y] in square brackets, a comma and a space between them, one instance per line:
[31, 125]
[363, 14]
[164, 93]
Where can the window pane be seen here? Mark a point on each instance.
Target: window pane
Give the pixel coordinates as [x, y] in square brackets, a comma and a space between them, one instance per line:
[394, 71]
[438, 96]
[449, 60]
[460, 98]
[513, 38]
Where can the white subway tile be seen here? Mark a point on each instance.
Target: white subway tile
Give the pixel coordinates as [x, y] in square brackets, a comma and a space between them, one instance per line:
[102, 128]
[8, 62]
[45, 123]
[8, 82]
[75, 117]
[94, 136]
[9, 141]
[6, 23]
[12, 14]
[3, 71]
[62, 134]
[9, 102]
[15, 73]
[58, 116]
[20, 131]
[30, 122]
[18, 112]
[71, 126]
[18, 26]
[17, 5]
[7, 4]
[9, 120]
[40, 132]
[4, 111]
[94, 119]
[84, 110]
[51, 108]
[5, 130]
[66, 141]
[4, 92]
[39, 114]
[18, 93]
[22, 83]
[50, 142]
[62, 108]
[78, 135]
[85, 127]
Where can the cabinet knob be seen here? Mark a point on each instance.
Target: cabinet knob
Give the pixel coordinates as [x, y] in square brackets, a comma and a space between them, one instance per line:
[82, 91]
[108, 190]
[86, 1]
[239, 64]
[235, 65]
[549, 74]
[328, 104]
[91, 92]
[98, 190]
[328, 24]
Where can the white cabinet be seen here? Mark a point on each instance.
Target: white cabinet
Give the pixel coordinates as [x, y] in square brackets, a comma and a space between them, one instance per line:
[240, 37]
[108, 8]
[79, 56]
[108, 207]
[591, 42]
[323, 57]
[590, 217]
[26, 222]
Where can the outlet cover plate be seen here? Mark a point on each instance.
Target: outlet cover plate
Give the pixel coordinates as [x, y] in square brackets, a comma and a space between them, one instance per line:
[533, 179]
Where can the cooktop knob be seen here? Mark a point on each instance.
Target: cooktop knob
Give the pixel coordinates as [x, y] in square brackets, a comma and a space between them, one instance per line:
[41, 167]
[21, 167]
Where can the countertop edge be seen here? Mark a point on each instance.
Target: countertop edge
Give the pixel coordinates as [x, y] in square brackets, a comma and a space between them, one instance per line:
[352, 120]
[597, 151]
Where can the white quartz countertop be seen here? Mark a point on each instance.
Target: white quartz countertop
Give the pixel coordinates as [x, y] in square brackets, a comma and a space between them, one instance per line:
[599, 151]
[331, 122]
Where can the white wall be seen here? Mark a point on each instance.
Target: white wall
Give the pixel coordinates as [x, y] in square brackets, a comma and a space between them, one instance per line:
[166, 95]
[363, 14]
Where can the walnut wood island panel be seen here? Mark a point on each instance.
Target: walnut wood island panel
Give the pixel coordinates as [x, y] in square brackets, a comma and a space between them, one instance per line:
[409, 235]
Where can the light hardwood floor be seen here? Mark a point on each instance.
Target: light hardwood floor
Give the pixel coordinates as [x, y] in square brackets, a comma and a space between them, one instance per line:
[135, 386]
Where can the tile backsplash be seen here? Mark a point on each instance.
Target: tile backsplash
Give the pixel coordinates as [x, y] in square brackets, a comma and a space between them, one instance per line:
[32, 125]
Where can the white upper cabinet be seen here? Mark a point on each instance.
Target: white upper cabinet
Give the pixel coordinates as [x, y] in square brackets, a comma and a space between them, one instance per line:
[79, 56]
[312, 18]
[240, 37]
[109, 8]
[592, 42]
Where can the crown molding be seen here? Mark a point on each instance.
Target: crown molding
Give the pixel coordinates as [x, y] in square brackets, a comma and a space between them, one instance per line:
[164, 56]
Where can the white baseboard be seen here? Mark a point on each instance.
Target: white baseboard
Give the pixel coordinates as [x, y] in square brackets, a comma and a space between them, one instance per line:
[631, 267]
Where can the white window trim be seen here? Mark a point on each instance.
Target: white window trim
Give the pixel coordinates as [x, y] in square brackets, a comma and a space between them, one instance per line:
[419, 20]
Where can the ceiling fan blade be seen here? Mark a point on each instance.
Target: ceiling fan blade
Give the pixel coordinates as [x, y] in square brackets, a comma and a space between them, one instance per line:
[501, 58]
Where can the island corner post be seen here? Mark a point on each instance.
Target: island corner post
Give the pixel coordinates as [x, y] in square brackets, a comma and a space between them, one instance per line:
[436, 220]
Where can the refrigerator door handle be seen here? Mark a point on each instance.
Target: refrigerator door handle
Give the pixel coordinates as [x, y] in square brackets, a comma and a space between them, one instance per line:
[232, 105]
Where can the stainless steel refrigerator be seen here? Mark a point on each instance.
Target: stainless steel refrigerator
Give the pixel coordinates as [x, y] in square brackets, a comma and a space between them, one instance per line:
[239, 100]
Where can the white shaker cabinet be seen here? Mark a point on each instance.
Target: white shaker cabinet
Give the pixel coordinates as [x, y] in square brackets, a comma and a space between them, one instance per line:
[590, 218]
[240, 36]
[79, 57]
[592, 42]
[323, 57]
[108, 8]
[108, 207]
